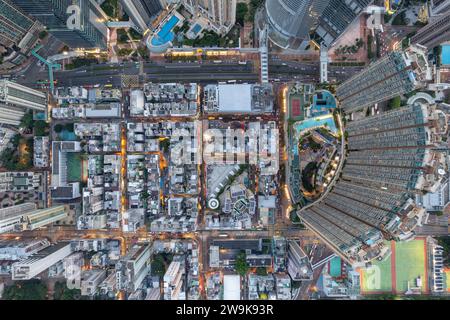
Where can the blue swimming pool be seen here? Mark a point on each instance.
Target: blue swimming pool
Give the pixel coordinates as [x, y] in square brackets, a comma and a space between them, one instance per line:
[445, 55]
[67, 135]
[316, 122]
[39, 116]
[165, 35]
[196, 29]
[323, 102]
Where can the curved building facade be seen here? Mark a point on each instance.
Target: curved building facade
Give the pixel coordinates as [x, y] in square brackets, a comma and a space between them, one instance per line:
[390, 157]
[291, 21]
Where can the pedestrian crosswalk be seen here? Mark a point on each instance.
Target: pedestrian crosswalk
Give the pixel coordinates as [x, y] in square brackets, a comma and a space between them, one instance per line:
[129, 81]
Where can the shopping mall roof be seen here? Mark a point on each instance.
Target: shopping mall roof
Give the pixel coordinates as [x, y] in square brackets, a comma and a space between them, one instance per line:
[235, 98]
[231, 287]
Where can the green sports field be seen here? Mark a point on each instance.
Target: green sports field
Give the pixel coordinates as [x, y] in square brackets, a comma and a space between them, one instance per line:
[406, 263]
[410, 264]
[74, 166]
[447, 279]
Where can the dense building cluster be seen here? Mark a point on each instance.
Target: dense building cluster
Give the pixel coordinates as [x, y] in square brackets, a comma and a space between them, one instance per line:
[224, 149]
[168, 99]
[390, 156]
[394, 74]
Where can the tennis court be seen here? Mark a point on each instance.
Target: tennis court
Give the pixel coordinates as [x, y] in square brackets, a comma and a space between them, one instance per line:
[296, 108]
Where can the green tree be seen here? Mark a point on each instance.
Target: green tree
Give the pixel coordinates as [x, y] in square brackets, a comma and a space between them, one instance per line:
[158, 265]
[400, 19]
[9, 159]
[62, 292]
[80, 62]
[27, 120]
[122, 36]
[261, 271]
[370, 53]
[58, 128]
[15, 140]
[143, 52]
[144, 195]
[254, 5]
[395, 102]
[134, 34]
[26, 290]
[124, 52]
[40, 128]
[164, 145]
[43, 34]
[359, 43]
[110, 8]
[387, 17]
[294, 217]
[69, 127]
[241, 12]
[241, 264]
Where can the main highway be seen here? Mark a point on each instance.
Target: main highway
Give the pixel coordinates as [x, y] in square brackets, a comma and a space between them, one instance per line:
[162, 72]
[286, 71]
[206, 72]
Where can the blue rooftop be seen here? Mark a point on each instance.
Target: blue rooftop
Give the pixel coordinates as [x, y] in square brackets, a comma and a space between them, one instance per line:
[445, 55]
